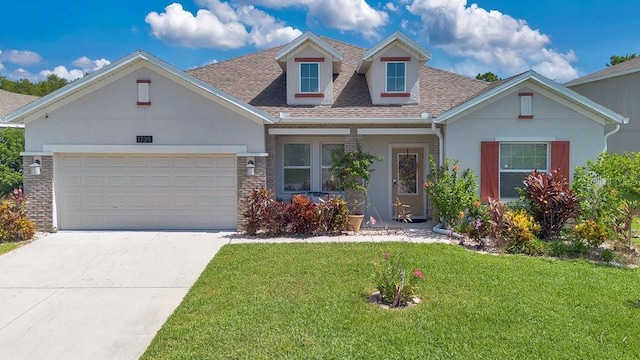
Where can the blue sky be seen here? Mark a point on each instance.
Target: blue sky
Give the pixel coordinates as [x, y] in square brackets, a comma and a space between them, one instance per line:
[559, 39]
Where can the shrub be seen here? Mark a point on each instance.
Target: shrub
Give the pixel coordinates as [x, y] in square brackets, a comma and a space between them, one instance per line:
[519, 230]
[14, 223]
[396, 285]
[496, 218]
[591, 232]
[479, 225]
[450, 194]
[551, 201]
[301, 216]
[608, 255]
[11, 144]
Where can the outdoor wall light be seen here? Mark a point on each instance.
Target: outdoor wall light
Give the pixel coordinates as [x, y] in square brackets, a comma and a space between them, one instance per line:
[35, 167]
[251, 167]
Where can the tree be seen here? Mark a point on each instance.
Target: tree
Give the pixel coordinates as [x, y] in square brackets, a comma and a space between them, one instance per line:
[24, 86]
[617, 59]
[488, 77]
[11, 144]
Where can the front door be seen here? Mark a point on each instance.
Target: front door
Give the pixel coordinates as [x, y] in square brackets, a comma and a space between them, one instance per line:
[407, 179]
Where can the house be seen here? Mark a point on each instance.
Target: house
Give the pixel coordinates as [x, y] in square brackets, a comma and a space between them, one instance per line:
[9, 102]
[617, 88]
[140, 144]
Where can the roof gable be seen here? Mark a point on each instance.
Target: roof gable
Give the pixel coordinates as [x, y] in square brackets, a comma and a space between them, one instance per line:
[413, 46]
[623, 68]
[554, 88]
[305, 39]
[122, 67]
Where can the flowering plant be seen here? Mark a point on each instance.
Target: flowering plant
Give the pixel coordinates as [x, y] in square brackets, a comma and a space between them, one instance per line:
[396, 285]
[450, 193]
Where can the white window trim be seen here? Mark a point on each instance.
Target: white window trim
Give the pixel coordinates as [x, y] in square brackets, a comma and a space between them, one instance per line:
[501, 170]
[300, 78]
[386, 70]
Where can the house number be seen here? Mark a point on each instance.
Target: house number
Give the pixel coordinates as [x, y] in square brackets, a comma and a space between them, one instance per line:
[144, 139]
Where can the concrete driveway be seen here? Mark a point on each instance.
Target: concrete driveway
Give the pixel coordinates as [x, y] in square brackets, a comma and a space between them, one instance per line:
[96, 295]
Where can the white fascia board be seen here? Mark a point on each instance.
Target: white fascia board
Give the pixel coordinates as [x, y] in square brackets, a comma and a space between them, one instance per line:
[36, 153]
[253, 154]
[560, 90]
[357, 121]
[129, 60]
[146, 149]
[282, 53]
[309, 131]
[602, 77]
[396, 131]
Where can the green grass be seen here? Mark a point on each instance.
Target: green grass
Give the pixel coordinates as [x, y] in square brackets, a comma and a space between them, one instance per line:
[309, 301]
[8, 246]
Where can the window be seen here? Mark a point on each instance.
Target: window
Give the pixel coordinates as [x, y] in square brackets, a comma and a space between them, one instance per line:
[328, 184]
[297, 167]
[309, 78]
[517, 160]
[395, 80]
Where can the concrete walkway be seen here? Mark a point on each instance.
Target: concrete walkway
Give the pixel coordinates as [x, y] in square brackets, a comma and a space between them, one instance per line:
[104, 295]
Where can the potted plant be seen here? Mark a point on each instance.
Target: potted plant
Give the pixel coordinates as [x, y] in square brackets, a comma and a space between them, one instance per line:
[352, 172]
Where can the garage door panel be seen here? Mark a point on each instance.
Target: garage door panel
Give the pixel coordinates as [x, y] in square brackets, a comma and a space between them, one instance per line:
[146, 192]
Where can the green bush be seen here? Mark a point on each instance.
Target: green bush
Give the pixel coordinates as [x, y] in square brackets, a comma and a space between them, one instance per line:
[396, 284]
[15, 225]
[451, 194]
[608, 255]
[519, 230]
[591, 232]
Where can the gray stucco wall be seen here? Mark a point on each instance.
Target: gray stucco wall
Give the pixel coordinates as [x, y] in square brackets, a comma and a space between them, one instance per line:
[500, 120]
[325, 73]
[622, 95]
[177, 116]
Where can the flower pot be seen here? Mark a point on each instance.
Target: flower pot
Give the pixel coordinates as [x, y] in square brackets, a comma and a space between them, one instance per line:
[355, 221]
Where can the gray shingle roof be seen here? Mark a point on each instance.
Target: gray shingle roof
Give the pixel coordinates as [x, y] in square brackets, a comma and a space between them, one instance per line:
[258, 79]
[11, 101]
[615, 70]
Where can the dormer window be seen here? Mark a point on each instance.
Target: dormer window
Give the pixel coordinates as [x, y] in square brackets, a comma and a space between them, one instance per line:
[396, 80]
[309, 77]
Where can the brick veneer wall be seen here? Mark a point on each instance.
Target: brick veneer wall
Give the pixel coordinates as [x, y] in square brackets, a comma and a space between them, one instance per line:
[39, 188]
[247, 183]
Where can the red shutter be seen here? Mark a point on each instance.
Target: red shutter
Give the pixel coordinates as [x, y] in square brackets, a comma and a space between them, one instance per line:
[489, 170]
[560, 157]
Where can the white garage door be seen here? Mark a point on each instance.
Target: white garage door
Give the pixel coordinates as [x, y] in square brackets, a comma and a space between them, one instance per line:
[104, 191]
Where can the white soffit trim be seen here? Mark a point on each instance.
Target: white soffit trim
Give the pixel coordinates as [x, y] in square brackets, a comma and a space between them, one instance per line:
[100, 75]
[146, 149]
[542, 81]
[5, 125]
[342, 121]
[307, 131]
[525, 139]
[396, 131]
[253, 154]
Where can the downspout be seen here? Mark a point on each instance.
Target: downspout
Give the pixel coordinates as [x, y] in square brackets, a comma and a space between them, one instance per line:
[606, 137]
[438, 133]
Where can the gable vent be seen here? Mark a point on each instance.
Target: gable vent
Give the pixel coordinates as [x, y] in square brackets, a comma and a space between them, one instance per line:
[143, 92]
[526, 111]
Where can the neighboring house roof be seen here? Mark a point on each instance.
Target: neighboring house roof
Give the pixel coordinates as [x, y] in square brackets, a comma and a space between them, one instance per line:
[623, 68]
[281, 55]
[258, 79]
[10, 101]
[423, 54]
[506, 84]
[67, 92]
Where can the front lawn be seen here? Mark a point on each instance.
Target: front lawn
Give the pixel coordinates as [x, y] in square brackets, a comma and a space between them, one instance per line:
[309, 301]
[8, 246]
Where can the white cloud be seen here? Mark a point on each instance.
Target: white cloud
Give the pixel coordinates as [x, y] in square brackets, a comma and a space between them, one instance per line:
[220, 25]
[491, 37]
[391, 7]
[63, 73]
[346, 15]
[21, 73]
[20, 57]
[88, 65]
